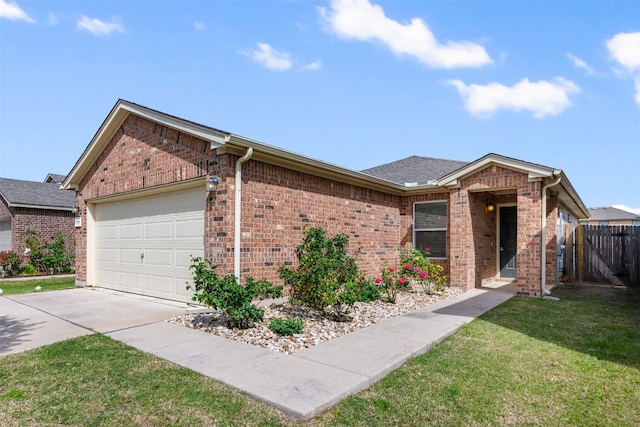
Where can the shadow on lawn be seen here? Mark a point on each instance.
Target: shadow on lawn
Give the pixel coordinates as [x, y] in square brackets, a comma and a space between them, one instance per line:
[12, 332]
[598, 320]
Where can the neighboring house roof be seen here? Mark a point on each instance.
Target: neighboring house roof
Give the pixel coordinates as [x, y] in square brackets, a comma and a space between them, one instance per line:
[389, 178]
[612, 214]
[415, 169]
[39, 195]
[55, 178]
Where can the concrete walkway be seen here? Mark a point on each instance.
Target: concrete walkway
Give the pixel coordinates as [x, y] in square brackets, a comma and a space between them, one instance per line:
[301, 384]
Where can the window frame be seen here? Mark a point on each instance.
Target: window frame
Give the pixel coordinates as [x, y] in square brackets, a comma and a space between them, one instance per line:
[445, 229]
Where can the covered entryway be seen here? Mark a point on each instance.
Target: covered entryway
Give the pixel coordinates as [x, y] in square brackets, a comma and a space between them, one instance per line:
[144, 245]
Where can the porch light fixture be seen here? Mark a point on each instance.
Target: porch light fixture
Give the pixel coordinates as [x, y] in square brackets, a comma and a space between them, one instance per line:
[75, 208]
[490, 206]
[212, 183]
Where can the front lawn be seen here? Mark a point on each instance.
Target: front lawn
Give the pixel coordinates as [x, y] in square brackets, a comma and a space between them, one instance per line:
[530, 361]
[15, 287]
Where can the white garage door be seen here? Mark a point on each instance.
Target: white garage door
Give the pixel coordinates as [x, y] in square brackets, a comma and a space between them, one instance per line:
[145, 245]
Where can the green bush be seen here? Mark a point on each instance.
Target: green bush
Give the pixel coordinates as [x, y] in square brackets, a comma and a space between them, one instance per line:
[10, 263]
[225, 294]
[33, 243]
[56, 258]
[29, 270]
[324, 273]
[286, 327]
[421, 269]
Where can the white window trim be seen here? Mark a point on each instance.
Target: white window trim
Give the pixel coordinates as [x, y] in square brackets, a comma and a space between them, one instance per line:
[445, 229]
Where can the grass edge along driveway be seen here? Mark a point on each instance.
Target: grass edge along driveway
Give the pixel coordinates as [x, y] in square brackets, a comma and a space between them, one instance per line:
[528, 362]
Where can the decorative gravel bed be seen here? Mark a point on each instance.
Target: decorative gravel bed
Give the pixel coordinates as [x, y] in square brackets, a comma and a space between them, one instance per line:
[318, 328]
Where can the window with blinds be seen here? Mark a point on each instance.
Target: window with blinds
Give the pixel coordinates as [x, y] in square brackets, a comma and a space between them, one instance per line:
[430, 228]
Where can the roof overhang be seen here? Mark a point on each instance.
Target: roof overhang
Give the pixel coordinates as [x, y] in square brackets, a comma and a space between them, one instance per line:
[50, 208]
[225, 142]
[535, 172]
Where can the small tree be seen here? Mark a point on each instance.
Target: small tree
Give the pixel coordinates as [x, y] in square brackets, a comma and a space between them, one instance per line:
[33, 243]
[56, 258]
[225, 294]
[325, 275]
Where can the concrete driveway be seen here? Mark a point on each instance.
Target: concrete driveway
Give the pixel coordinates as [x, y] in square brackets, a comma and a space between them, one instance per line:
[33, 320]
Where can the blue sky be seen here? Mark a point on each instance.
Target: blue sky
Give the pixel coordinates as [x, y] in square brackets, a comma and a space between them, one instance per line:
[356, 83]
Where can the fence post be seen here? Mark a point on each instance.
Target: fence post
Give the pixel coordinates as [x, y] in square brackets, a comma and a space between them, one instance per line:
[580, 260]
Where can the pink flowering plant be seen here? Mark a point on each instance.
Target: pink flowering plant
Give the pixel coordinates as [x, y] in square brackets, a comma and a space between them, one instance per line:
[421, 270]
[415, 268]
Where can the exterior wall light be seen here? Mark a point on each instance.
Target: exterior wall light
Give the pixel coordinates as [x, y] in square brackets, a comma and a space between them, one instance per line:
[212, 183]
[75, 208]
[491, 207]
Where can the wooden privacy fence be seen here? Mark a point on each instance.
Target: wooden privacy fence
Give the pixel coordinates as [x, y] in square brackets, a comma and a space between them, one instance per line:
[609, 254]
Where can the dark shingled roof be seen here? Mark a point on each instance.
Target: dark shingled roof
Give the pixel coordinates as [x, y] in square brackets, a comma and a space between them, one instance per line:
[611, 214]
[415, 169]
[31, 193]
[55, 177]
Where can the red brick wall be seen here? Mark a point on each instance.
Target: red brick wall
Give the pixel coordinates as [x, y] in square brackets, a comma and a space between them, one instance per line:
[142, 154]
[47, 223]
[472, 229]
[278, 204]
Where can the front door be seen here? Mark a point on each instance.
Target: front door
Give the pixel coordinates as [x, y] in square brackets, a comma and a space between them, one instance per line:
[508, 232]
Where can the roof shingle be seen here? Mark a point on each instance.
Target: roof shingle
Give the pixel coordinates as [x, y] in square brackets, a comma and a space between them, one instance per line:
[30, 193]
[416, 169]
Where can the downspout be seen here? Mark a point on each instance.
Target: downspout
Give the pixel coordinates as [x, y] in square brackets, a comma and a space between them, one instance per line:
[543, 255]
[238, 212]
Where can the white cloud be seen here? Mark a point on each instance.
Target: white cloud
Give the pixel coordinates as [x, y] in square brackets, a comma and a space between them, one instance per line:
[361, 20]
[13, 12]
[581, 64]
[541, 98]
[627, 208]
[271, 58]
[199, 25]
[98, 27]
[312, 66]
[625, 49]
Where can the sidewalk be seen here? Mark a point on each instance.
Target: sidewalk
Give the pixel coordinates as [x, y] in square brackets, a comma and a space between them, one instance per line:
[305, 383]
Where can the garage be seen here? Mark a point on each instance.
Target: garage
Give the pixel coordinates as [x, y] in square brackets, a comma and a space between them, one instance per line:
[144, 245]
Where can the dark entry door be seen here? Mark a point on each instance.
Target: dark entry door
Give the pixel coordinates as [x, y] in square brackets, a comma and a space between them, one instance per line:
[508, 232]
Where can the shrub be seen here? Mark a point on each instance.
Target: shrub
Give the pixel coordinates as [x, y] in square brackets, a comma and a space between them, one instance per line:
[286, 327]
[33, 243]
[57, 258]
[422, 270]
[227, 295]
[323, 274]
[29, 270]
[415, 267]
[10, 263]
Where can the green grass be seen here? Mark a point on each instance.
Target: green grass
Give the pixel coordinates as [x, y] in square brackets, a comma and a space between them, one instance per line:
[528, 362]
[15, 287]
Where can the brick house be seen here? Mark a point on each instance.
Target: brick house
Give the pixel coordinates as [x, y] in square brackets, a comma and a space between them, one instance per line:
[39, 206]
[611, 216]
[145, 208]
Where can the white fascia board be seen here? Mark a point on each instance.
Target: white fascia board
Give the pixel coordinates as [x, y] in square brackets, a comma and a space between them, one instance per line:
[49, 208]
[534, 172]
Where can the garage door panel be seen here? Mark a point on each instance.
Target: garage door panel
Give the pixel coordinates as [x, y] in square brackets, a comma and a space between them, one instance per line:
[130, 281]
[131, 256]
[158, 230]
[131, 232]
[108, 255]
[168, 229]
[158, 257]
[189, 228]
[183, 258]
[108, 232]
